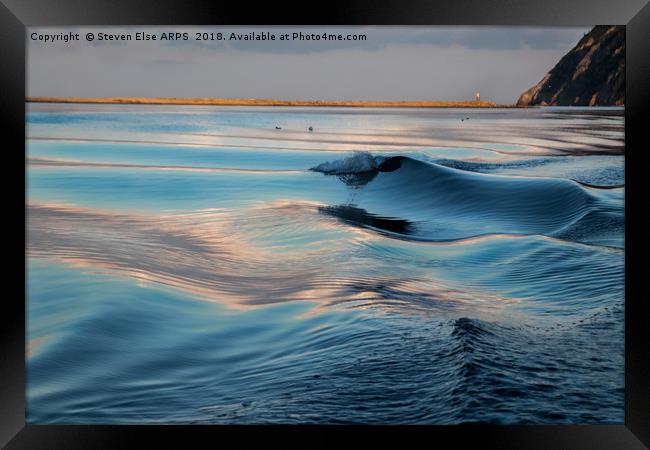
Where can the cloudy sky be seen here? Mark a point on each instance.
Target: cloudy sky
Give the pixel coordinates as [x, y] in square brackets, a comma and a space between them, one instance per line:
[393, 63]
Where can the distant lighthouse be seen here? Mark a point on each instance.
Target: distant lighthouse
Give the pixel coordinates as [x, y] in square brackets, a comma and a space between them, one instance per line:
[478, 96]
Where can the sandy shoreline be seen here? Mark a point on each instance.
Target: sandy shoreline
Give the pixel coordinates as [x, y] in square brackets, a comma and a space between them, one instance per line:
[265, 102]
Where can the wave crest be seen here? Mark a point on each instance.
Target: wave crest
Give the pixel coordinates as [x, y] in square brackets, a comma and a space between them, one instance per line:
[441, 204]
[359, 162]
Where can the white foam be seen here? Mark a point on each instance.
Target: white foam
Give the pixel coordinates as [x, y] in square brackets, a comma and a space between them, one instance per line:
[357, 163]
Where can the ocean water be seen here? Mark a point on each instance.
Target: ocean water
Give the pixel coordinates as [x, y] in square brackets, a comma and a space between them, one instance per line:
[191, 264]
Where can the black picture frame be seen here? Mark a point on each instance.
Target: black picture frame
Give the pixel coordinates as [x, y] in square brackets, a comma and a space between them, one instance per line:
[16, 15]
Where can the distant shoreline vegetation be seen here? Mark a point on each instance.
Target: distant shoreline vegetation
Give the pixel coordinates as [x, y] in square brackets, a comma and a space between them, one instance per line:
[268, 102]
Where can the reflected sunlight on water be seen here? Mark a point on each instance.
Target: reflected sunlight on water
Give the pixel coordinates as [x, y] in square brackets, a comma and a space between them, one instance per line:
[185, 265]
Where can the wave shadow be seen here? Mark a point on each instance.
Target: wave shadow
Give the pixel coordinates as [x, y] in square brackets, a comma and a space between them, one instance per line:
[354, 216]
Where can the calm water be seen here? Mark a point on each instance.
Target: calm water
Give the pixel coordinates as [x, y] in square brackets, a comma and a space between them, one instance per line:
[434, 266]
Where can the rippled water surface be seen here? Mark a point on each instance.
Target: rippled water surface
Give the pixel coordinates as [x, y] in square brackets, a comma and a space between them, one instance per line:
[198, 265]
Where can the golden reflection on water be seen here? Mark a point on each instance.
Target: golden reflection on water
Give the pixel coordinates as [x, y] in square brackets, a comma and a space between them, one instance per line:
[227, 257]
[34, 345]
[506, 136]
[58, 162]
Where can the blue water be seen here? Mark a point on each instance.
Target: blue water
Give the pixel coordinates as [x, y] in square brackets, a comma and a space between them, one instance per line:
[196, 265]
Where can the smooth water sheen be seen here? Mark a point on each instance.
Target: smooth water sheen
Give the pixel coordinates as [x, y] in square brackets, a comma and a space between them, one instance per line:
[196, 265]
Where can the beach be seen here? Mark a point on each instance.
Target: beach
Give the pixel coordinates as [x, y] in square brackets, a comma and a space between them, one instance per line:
[268, 102]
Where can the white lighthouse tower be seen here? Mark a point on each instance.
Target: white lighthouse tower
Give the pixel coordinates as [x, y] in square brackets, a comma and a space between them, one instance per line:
[478, 96]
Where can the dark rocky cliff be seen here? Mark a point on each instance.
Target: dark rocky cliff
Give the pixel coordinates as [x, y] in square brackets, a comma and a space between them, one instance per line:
[591, 74]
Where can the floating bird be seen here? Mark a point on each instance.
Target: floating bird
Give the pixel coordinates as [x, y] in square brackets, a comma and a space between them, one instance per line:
[311, 128]
[278, 128]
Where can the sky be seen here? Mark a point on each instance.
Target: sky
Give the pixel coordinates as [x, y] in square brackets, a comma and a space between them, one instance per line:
[392, 63]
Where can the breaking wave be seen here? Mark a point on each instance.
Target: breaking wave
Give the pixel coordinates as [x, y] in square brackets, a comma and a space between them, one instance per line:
[427, 201]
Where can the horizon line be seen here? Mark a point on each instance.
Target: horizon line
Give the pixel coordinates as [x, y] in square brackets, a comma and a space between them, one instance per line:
[211, 101]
